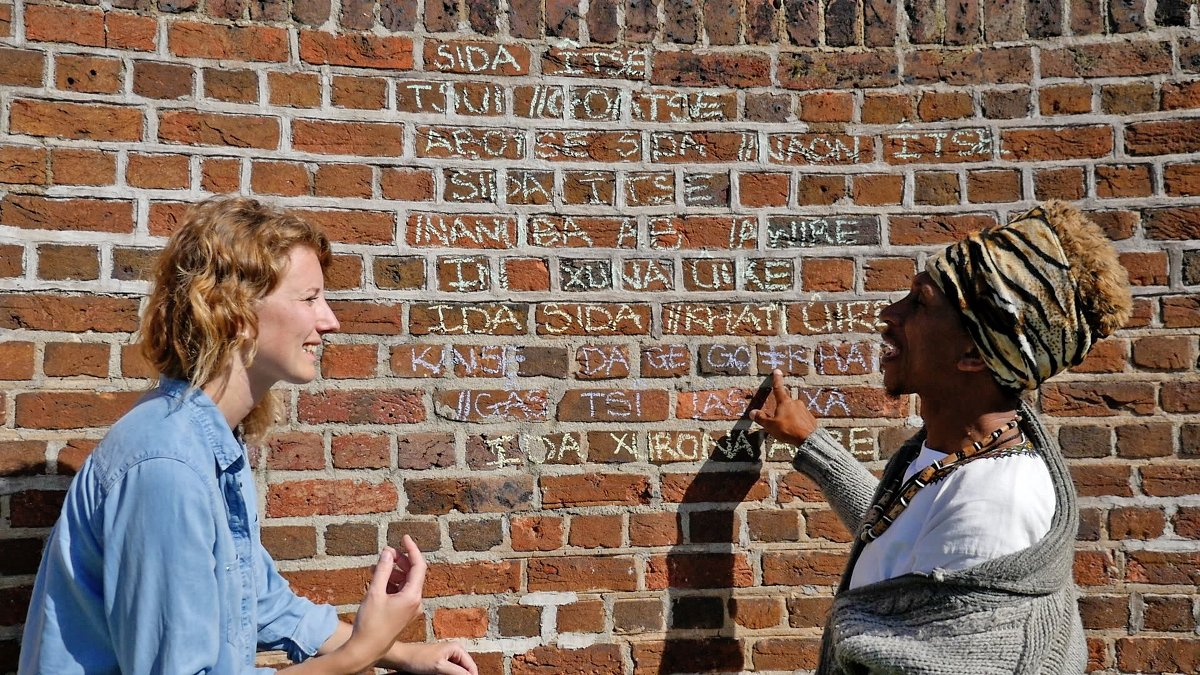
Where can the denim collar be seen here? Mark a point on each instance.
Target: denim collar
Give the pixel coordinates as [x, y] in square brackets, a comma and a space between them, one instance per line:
[226, 445]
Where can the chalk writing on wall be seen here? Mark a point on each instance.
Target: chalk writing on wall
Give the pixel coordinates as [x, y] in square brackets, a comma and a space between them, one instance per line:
[804, 232]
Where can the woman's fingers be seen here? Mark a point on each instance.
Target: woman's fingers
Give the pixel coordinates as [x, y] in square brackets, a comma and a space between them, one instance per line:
[383, 569]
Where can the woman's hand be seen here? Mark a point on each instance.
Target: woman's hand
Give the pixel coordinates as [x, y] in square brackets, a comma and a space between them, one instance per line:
[791, 421]
[438, 658]
[392, 601]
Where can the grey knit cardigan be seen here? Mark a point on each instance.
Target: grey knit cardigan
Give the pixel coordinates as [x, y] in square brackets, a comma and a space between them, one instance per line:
[1013, 614]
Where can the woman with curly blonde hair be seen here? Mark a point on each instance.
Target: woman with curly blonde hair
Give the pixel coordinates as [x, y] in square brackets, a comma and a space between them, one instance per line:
[156, 563]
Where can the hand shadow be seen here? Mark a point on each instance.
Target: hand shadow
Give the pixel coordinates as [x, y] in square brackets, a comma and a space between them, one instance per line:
[710, 561]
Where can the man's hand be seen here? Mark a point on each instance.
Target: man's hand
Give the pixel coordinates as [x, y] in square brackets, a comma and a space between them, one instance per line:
[791, 422]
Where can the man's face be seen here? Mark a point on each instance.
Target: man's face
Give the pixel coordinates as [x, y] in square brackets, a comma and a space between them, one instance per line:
[923, 339]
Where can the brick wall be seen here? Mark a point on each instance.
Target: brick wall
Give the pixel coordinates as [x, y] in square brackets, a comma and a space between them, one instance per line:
[570, 237]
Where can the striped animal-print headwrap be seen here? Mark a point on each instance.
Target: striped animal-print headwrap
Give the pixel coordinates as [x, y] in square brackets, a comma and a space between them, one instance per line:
[1035, 294]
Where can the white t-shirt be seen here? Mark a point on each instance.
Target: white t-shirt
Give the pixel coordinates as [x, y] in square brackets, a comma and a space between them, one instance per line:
[987, 508]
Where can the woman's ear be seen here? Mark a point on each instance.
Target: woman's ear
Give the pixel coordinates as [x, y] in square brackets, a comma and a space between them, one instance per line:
[971, 361]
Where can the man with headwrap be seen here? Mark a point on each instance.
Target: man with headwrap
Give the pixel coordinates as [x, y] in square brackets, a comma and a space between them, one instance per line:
[963, 551]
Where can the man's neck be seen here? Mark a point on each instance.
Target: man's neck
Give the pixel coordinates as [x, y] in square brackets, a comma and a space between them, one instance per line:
[953, 424]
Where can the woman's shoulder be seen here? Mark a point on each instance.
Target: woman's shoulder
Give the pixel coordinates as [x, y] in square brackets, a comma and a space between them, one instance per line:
[161, 426]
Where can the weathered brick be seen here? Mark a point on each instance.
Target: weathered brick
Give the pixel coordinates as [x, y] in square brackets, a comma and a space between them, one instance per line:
[392, 52]
[60, 119]
[1130, 59]
[723, 69]
[1163, 137]
[192, 39]
[870, 68]
[372, 139]
[997, 65]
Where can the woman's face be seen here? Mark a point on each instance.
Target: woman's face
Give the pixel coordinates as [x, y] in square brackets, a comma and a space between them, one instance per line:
[291, 320]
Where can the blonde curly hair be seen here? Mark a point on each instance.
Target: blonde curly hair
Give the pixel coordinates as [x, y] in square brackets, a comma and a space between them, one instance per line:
[228, 253]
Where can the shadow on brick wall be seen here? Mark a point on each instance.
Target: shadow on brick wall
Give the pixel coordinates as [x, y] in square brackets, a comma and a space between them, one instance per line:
[710, 563]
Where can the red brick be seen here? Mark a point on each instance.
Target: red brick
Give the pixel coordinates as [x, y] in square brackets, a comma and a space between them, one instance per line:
[296, 90]
[70, 359]
[238, 131]
[342, 361]
[34, 508]
[1186, 522]
[392, 406]
[969, 67]
[57, 262]
[357, 227]
[786, 653]
[348, 138]
[288, 179]
[21, 68]
[192, 39]
[1045, 144]
[724, 69]
[536, 533]
[1092, 480]
[46, 23]
[698, 570]
[295, 451]
[580, 573]
[593, 489]
[1164, 353]
[817, 70]
[1065, 99]
[21, 458]
[1128, 98]
[1182, 180]
[1164, 137]
[1095, 568]
[69, 166]
[87, 74]
[362, 93]
[910, 230]
[1123, 180]
[329, 497]
[1167, 480]
[16, 360]
[412, 185]
[359, 451]
[234, 86]
[1113, 59]
[596, 531]
[1135, 523]
[877, 189]
[162, 172]
[547, 660]
[1067, 183]
[886, 108]
[356, 50]
[1144, 440]
[460, 622]
[95, 122]
[476, 495]
[1170, 567]
[989, 186]
[935, 106]
[90, 215]
[71, 409]
[1180, 95]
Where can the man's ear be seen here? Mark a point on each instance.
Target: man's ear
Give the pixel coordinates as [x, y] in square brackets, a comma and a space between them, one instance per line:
[971, 361]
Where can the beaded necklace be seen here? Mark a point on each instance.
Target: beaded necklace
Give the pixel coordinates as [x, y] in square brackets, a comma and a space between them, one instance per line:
[892, 503]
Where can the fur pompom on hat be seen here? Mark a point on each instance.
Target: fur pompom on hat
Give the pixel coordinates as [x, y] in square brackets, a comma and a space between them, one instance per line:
[1035, 293]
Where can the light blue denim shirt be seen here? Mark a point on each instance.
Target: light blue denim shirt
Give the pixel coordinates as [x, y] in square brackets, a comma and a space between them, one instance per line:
[155, 565]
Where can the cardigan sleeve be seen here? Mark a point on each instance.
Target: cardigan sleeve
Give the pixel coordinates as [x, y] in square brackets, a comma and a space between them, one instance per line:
[846, 483]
